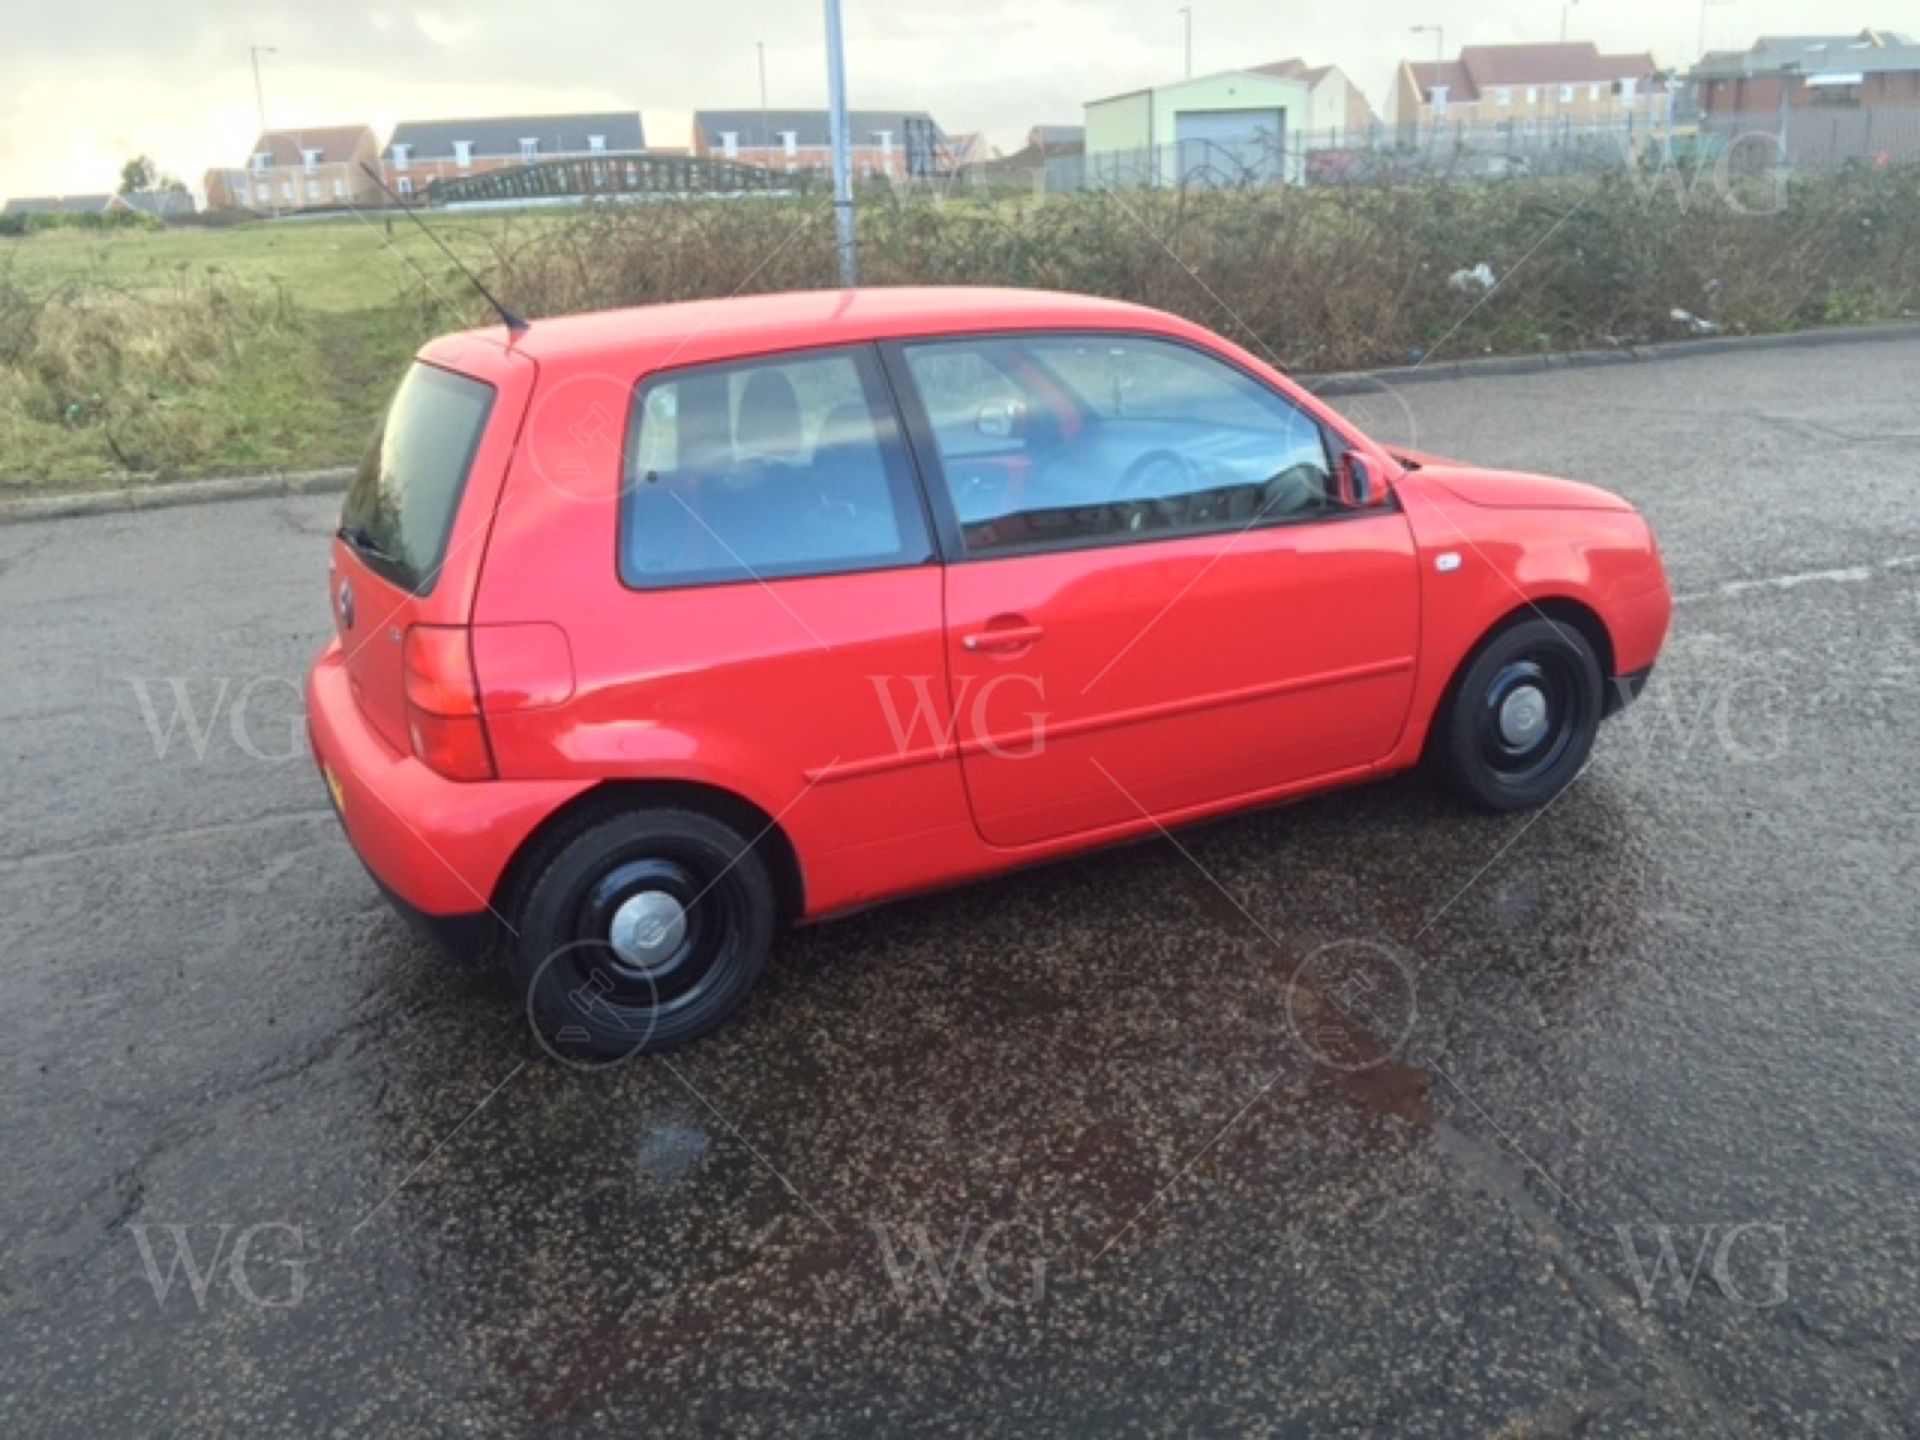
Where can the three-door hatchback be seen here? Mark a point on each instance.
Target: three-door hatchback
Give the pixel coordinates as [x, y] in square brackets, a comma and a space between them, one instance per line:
[659, 630]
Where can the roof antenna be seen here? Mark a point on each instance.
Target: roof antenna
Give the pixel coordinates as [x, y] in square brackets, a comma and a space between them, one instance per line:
[515, 325]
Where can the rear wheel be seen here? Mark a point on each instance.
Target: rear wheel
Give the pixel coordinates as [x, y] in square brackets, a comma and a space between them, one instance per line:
[1520, 721]
[643, 931]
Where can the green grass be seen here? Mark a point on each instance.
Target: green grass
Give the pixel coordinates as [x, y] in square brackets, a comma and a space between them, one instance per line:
[342, 265]
[334, 309]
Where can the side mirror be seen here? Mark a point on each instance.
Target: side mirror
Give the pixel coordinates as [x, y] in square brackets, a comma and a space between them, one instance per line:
[1357, 486]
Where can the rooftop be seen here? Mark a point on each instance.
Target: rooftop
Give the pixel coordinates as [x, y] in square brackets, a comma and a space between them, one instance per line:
[1861, 52]
[1483, 67]
[497, 136]
[764, 127]
[336, 143]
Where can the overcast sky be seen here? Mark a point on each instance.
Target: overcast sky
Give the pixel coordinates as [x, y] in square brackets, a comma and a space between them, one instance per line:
[86, 83]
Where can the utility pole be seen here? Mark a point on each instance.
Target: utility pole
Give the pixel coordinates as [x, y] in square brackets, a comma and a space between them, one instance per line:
[259, 95]
[254, 52]
[1186, 12]
[766, 136]
[842, 156]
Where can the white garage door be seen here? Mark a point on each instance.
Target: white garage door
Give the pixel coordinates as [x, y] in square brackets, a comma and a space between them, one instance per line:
[1229, 147]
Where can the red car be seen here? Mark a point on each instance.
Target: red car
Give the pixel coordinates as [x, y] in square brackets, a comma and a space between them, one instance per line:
[662, 629]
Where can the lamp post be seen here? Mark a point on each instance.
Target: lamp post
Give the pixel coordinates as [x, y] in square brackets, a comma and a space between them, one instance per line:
[842, 156]
[766, 136]
[1186, 14]
[254, 52]
[1439, 33]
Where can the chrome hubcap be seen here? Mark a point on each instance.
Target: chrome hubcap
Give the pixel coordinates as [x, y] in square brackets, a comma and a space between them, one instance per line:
[647, 929]
[1523, 716]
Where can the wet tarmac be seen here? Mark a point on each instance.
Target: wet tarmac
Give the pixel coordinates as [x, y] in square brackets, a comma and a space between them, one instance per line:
[1367, 1116]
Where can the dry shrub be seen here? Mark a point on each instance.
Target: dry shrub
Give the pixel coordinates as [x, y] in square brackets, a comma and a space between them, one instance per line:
[1320, 279]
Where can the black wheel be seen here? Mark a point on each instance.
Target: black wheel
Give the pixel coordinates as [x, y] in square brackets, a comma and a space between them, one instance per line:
[643, 931]
[1519, 722]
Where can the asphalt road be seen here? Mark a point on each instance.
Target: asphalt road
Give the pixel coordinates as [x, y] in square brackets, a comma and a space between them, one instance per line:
[1366, 1116]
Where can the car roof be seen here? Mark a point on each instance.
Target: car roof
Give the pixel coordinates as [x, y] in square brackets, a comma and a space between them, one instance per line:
[828, 317]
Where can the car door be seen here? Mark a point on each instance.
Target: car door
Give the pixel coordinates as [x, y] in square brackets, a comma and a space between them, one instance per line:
[1154, 599]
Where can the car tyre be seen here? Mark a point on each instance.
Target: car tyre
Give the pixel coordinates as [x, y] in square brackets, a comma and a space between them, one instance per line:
[1519, 722]
[639, 932]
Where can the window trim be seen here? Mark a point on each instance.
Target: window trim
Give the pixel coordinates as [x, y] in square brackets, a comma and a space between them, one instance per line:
[903, 473]
[938, 496]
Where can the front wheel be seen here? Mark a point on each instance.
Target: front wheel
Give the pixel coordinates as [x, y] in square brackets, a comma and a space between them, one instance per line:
[643, 931]
[1521, 721]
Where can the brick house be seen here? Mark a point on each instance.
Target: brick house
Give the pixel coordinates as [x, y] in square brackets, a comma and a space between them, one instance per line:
[1872, 75]
[422, 151]
[1528, 89]
[310, 169]
[890, 143]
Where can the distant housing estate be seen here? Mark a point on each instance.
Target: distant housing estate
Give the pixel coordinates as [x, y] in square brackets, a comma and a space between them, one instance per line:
[1526, 88]
[891, 143]
[1821, 98]
[291, 170]
[422, 151]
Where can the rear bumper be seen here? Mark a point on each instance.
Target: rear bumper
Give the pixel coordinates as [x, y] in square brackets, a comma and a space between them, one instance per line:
[464, 937]
[436, 847]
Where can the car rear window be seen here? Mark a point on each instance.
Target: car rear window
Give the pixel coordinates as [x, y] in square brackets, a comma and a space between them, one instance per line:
[399, 509]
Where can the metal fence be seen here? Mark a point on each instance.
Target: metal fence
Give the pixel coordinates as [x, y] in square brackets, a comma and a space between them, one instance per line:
[1813, 138]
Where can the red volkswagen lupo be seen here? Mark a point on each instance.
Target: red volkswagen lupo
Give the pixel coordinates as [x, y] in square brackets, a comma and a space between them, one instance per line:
[661, 629]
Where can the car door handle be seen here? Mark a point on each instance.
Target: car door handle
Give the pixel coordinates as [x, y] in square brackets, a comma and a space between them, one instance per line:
[1002, 641]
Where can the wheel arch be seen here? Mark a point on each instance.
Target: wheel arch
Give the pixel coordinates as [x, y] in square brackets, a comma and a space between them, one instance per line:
[614, 796]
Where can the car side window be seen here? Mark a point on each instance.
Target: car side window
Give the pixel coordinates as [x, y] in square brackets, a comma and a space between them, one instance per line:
[1089, 439]
[771, 468]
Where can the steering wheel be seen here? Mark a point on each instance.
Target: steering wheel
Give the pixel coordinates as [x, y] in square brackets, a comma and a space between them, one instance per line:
[1156, 475]
[1294, 491]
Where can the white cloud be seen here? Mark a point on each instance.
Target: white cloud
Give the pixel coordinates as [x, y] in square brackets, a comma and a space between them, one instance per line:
[447, 33]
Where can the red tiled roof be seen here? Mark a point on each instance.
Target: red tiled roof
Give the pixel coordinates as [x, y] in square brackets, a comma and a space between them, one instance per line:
[336, 143]
[1550, 64]
[1450, 73]
[1481, 67]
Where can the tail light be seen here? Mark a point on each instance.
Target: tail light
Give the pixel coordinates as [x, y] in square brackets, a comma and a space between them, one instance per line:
[443, 703]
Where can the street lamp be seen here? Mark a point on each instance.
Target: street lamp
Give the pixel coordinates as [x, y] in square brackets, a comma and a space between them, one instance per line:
[254, 52]
[1186, 13]
[842, 156]
[760, 46]
[259, 96]
[1439, 33]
